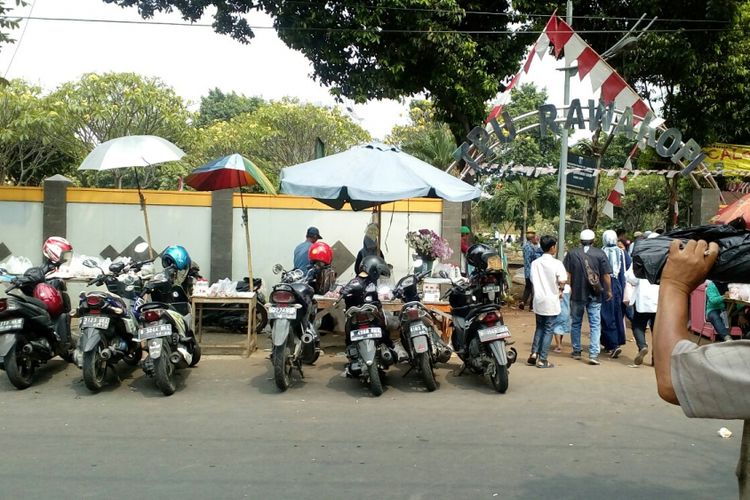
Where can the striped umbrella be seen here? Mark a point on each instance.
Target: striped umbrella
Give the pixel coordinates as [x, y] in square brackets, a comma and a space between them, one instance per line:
[229, 172]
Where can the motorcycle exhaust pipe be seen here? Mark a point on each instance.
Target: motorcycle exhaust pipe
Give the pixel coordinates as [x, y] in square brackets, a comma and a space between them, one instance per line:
[175, 358]
[181, 357]
[106, 353]
[307, 338]
[27, 349]
[386, 356]
[512, 356]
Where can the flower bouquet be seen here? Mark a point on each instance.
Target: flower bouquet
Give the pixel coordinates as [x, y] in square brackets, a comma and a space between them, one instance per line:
[429, 245]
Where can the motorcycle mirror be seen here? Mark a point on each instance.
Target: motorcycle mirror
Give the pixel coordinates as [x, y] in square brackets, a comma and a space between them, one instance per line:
[277, 269]
[90, 263]
[141, 247]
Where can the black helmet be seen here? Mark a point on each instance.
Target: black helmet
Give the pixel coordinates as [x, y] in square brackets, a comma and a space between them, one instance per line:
[481, 257]
[374, 266]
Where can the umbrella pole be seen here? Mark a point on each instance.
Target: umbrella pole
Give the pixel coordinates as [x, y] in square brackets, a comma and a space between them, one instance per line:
[145, 214]
[247, 241]
[378, 220]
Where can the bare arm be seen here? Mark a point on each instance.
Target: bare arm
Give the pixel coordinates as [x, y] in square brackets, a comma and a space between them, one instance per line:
[608, 289]
[684, 271]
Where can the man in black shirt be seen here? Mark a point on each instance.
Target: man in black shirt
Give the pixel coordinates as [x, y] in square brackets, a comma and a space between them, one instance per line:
[582, 263]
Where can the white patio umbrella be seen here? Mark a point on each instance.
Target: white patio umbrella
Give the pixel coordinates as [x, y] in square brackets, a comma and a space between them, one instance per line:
[133, 151]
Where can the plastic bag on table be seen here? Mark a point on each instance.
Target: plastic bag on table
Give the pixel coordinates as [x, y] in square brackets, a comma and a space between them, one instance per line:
[732, 265]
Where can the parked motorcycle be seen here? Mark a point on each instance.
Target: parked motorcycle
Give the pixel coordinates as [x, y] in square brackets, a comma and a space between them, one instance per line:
[479, 334]
[423, 345]
[109, 321]
[488, 275]
[166, 330]
[34, 325]
[291, 311]
[367, 349]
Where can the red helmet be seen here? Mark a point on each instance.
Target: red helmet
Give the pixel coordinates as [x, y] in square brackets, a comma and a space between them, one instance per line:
[51, 297]
[320, 252]
[57, 249]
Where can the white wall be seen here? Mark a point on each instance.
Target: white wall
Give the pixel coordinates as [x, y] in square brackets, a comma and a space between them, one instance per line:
[21, 228]
[275, 233]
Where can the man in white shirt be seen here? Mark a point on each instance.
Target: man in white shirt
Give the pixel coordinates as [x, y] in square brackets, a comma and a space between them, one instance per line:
[548, 275]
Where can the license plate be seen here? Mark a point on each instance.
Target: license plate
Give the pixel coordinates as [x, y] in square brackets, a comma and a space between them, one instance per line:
[367, 333]
[11, 324]
[101, 322]
[494, 333]
[420, 344]
[282, 312]
[491, 288]
[154, 331]
[418, 329]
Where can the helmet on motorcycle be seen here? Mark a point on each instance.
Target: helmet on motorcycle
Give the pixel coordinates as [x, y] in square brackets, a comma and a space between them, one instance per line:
[374, 266]
[51, 297]
[320, 252]
[483, 257]
[176, 256]
[57, 249]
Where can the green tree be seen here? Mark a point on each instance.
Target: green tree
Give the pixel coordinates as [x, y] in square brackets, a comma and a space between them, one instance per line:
[7, 23]
[34, 140]
[386, 49]
[220, 106]
[100, 107]
[425, 137]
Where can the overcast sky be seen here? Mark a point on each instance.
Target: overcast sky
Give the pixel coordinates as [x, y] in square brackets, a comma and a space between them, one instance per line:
[194, 59]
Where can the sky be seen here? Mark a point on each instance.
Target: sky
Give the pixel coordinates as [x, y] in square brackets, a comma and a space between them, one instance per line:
[196, 59]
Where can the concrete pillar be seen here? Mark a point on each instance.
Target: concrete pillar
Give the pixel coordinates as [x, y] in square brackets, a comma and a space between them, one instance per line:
[705, 205]
[221, 234]
[55, 207]
[450, 228]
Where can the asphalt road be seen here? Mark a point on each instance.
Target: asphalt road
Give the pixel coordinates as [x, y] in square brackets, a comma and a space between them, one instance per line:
[575, 431]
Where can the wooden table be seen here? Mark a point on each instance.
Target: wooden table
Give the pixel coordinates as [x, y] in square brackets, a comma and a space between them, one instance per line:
[201, 304]
[441, 310]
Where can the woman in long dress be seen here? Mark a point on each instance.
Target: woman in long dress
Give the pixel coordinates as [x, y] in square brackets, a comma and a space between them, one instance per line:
[613, 312]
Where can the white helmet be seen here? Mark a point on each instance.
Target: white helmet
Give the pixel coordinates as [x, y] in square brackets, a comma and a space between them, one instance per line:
[588, 235]
[57, 249]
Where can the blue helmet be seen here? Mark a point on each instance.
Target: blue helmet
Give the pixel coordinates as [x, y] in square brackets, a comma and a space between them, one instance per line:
[175, 255]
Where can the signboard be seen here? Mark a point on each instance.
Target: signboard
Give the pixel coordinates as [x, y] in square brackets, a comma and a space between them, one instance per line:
[584, 180]
[728, 157]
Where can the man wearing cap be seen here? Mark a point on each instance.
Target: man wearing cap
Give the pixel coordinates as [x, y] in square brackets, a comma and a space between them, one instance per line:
[531, 252]
[465, 244]
[301, 260]
[582, 264]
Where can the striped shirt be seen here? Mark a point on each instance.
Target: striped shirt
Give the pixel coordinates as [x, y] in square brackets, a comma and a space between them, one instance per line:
[713, 381]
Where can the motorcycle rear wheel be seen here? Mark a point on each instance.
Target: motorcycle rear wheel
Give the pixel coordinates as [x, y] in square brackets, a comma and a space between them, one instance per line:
[282, 367]
[94, 369]
[376, 385]
[425, 366]
[500, 378]
[21, 375]
[164, 370]
[196, 353]
[261, 318]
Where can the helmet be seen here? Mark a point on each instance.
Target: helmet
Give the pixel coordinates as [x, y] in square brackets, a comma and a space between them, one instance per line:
[588, 235]
[176, 256]
[51, 297]
[320, 252]
[57, 249]
[374, 266]
[480, 255]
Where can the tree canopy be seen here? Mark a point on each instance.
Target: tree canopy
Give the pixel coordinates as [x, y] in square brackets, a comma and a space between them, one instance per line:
[221, 106]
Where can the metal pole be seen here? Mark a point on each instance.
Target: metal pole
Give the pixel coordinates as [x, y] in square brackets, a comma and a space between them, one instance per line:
[564, 151]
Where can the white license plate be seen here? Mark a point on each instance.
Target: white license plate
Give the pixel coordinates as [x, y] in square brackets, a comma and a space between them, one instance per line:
[494, 333]
[367, 333]
[11, 324]
[101, 322]
[491, 288]
[154, 331]
[282, 312]
[418, 329]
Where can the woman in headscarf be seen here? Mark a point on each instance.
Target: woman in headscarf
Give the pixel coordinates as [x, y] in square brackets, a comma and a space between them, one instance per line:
[369, 246]
[613, 311]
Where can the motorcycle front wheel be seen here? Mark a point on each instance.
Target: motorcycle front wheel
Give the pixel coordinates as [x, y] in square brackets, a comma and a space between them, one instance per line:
[282, 367]
[164, 370]
[376, 385]
[94, 369]
[425, 366]
[500, 378]
[20, 368]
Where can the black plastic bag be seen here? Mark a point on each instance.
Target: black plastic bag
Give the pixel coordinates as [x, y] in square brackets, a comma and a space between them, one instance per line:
[732, 266]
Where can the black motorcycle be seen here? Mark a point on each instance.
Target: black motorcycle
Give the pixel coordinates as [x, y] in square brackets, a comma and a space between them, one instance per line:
[367, 350]
[418, 336]
[166, 331]
[480, 335]
[108, 322]
[30, 333]
[291, 311]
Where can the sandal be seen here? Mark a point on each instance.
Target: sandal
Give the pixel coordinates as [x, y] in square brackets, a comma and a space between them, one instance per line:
[532, 359]
[557, 349]
[543, 363]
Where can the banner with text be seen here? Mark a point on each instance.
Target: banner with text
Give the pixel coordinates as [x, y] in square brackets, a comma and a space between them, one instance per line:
[728, 157]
